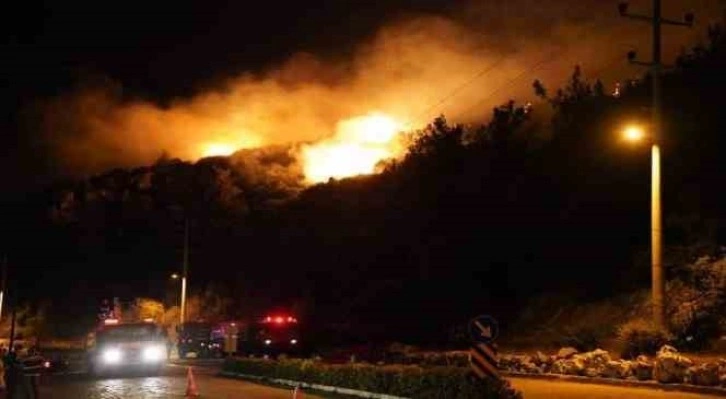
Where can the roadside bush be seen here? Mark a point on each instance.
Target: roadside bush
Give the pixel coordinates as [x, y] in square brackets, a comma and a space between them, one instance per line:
[583, 339]
[698, 334]
[641, 337]
[556, 321]
[405, 381]
[698, 316]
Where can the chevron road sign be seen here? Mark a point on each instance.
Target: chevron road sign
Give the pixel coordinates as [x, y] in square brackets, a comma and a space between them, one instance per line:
[483, 357]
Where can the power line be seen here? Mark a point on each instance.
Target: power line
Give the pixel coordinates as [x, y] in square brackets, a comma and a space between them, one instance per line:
[530, 71]
[488, 69]
[509, 83]
[461, 87]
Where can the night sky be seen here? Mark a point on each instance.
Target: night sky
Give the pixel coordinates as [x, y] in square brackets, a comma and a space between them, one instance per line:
[164, 49]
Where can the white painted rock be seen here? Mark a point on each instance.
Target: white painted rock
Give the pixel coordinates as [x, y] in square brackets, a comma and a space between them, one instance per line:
[670, 367]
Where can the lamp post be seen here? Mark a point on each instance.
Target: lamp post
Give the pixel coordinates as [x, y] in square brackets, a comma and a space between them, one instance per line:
[182, 304]
[182, 313]
[656, 21]
[183, 276]
[634, 133]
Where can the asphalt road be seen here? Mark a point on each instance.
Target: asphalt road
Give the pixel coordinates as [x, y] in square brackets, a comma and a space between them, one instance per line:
[544, 389]
[171, 384]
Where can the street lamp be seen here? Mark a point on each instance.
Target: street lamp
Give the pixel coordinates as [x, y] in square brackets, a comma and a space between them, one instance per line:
[635, 133]
[182, 305]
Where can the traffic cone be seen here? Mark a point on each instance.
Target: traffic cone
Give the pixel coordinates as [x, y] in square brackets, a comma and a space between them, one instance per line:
[297, 393]
[192, 391]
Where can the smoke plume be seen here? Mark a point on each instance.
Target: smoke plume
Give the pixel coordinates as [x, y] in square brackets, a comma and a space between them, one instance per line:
[413, 69]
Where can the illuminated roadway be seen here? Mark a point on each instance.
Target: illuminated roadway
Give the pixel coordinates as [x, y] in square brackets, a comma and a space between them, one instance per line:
[545, 389]
[172, 384]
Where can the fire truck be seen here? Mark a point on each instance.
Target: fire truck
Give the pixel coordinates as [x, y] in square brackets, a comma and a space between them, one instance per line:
[116, 346]
[198, 338]
[271, 335]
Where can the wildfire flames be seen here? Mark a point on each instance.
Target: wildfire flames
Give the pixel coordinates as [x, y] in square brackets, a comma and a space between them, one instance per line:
[217, 149]
[359, 145]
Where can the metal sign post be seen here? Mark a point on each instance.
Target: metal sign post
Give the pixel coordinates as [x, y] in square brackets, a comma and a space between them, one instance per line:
[483, 330]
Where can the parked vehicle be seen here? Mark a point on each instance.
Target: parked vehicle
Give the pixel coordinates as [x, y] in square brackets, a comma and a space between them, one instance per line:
[137, 347]
[271, 335]
[196, 338]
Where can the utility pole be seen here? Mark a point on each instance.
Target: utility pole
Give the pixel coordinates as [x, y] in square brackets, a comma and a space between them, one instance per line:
[185, 267]
[14, 304]
[4, 283]
[656, 228]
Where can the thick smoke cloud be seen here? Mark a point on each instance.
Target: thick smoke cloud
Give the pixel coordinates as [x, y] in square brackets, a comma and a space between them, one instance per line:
[460, 64]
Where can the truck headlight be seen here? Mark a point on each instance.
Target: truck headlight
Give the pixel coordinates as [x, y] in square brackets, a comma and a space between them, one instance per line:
[267, 342]
[111, 355]
[153, 353]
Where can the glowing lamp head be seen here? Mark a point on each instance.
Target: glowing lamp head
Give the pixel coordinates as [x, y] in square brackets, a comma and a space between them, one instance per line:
[634, 133]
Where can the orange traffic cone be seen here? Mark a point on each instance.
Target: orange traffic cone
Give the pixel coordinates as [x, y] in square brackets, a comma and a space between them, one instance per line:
[297, 393]
[192, 391]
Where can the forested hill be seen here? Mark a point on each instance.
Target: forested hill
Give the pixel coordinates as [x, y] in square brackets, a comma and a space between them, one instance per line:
[472, 220]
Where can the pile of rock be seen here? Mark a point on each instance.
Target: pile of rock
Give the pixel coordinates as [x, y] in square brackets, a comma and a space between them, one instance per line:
[707, 374]
[643, 368]
[668, 366]
[566, 361]
[620, 369]
[569, 361]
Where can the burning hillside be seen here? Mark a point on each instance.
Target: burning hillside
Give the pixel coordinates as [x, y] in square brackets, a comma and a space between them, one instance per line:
[358, 146]
[349, 112]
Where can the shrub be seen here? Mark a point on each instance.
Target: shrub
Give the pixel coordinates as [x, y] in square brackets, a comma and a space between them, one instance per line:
[641, 337]
[406, 381]
[698, 315]
[584, 339]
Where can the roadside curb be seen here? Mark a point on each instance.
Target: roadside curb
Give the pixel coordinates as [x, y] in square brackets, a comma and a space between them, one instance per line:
[65, 373]
[196, 362]
[621, 383]
[318, 387]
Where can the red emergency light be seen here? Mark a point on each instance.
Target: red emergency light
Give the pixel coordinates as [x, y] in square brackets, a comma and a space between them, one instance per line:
[280, 319]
